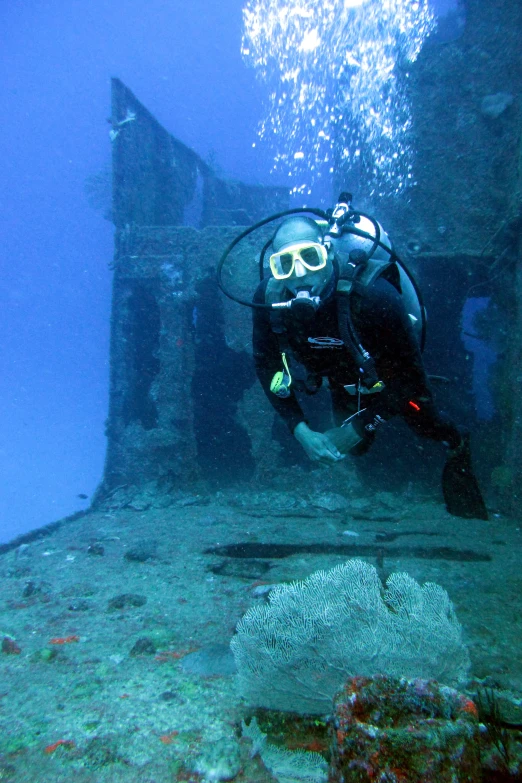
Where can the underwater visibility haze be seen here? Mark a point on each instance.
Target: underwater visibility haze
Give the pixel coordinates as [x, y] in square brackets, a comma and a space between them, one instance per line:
[261, 454]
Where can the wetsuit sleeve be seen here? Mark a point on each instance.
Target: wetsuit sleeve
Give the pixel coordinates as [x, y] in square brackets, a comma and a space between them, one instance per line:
[393, 345]
[267, 361]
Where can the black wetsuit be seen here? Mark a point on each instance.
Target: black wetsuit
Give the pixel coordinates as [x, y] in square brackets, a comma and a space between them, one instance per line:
[384, 329]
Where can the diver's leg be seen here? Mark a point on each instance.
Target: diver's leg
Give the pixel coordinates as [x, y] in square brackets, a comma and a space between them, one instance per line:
[460, 488]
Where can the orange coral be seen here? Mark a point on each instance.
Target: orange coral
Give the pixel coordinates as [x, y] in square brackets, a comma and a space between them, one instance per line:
[65, 743]
[466, 705]
[315, 745]
[64, 639]
[165, 655]
[167, 738]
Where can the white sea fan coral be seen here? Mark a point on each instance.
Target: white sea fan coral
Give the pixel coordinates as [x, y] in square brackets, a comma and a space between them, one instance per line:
[334, 96]
[295, 652]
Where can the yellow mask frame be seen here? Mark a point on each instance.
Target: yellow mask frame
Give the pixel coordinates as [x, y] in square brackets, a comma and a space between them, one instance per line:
[312, 255]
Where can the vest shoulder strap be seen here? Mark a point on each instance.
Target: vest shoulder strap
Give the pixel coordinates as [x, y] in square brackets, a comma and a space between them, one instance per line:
[274, 293]
[358, 278]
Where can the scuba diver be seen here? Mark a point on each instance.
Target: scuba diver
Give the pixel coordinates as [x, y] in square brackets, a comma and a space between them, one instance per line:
[339, 303]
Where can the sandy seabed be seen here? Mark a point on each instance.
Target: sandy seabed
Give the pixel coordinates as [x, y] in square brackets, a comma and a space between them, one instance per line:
[114, 665]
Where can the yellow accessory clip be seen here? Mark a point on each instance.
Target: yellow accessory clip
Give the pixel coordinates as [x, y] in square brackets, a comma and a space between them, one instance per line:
[354, 388]
[282, 380]
[312, 255]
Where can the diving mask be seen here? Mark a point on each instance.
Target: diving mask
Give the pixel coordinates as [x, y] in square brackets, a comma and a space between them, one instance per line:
[312, 256]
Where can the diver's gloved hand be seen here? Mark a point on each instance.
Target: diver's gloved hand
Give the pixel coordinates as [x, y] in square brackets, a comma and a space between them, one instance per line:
[317, 445]
[357, 428]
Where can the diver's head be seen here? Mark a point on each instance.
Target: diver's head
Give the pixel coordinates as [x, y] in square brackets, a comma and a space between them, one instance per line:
[299, 256]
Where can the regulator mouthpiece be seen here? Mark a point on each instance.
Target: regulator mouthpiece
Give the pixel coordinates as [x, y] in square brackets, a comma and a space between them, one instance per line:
[302, 304]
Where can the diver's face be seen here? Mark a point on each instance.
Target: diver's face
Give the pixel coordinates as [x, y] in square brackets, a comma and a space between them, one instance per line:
[303, 279]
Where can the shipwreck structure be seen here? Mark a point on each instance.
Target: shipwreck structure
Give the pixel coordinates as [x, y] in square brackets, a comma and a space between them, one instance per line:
[179, 365]
[184, 403]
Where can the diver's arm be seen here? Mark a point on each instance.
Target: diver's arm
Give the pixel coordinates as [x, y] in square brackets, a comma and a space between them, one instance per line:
[268, 361]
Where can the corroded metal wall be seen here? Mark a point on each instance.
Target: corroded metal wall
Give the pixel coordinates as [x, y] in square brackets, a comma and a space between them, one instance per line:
[159, 181]
[511, 385]
[181, 369]
[154, 175]
[180, 365]
[150, 424]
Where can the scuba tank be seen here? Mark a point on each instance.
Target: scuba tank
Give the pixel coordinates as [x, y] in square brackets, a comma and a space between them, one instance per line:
[363, 253]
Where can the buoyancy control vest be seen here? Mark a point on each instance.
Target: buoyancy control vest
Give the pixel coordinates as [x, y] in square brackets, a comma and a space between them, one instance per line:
[363, 254]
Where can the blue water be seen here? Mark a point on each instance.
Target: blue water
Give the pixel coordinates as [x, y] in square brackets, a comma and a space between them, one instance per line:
[183, 61]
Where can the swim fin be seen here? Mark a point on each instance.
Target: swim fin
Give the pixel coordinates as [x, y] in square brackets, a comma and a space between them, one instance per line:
[460, 488]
